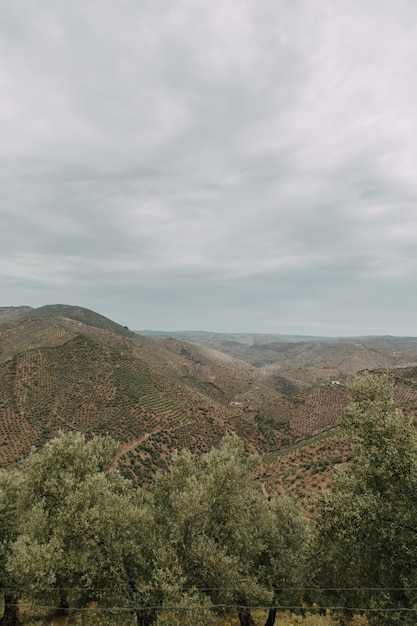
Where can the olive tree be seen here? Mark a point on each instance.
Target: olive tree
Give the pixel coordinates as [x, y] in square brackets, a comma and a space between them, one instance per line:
[10, 482]
[367, 524]
[284, 562]
[228, 539]
[83, 535]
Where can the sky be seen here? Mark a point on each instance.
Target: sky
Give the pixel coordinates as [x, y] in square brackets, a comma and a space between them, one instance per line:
[220, 165]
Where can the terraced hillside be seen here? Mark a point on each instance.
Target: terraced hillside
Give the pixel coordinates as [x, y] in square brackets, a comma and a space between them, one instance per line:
[306, 466]
[90, 386]
[155, 395]
[59, 373]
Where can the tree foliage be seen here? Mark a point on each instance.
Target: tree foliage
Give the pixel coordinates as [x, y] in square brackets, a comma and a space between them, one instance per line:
[10, 483]
[367, 529]
[230, 543]
[75, 533]
[81, 531]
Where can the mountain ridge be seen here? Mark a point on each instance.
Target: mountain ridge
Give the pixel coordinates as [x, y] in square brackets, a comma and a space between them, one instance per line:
[76, 313]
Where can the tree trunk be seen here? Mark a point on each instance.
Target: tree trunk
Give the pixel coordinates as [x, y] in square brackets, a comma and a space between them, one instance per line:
[271, 617]
[63, 608]
[11, 610]
[147, 617]
[245, 617]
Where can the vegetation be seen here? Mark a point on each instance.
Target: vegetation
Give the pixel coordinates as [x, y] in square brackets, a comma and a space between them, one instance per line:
[202, 543]
[79, 529]
[367, 523]
[66, 368]
[76, 534]
[230, 543]
[10, 483]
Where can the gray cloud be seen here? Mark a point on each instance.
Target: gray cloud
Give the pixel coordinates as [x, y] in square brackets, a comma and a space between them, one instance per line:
[228, 165]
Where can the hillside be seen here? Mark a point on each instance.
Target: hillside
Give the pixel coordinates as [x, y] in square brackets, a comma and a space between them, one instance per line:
[292, 363]
[8, 313]
[59, 373]
[79, 314]
[307, 466]
[64, 368]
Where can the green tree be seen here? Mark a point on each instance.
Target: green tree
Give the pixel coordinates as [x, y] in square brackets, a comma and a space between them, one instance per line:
[228, 539]
[83, 534]
[284, 562]
[9, 488]
[367, 524]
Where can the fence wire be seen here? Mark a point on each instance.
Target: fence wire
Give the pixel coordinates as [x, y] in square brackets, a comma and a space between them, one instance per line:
[133, 608]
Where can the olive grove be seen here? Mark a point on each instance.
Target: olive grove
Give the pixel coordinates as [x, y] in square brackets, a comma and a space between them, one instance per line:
[76, 534]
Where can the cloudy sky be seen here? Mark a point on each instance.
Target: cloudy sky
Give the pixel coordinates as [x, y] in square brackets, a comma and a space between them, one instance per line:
[225, 165]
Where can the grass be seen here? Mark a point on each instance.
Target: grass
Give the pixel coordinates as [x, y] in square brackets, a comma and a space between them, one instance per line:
[33, 618]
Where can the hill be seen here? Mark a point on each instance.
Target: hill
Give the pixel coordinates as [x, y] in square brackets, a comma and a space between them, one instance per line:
[153, 396]
[292, 363]
[13, 312]
[307, 465]
[79, 314]
[64, 367]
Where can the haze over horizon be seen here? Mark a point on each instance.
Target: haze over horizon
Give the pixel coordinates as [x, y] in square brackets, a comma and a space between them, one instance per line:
[229, 166]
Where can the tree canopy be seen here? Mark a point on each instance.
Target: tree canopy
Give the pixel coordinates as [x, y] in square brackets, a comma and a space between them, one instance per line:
[367, 528]
[75, 533]
[81, 532]
[231, 544]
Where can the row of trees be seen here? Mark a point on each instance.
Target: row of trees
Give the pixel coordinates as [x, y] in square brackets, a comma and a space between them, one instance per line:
[74, 533]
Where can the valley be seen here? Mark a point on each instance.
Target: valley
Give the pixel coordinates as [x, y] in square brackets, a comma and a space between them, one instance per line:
[66, 368]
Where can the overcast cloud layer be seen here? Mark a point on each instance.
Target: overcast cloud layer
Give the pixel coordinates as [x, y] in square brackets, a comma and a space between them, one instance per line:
[225, 165]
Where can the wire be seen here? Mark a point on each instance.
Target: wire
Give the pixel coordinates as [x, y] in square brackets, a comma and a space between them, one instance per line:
[225, 606]
[148, 588]
[214, 607]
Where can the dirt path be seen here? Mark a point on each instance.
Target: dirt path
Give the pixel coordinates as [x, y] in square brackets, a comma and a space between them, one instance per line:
[264, 491]
[130, 445]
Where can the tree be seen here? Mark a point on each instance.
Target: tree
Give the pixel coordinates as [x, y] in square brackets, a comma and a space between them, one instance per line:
[83, 534]
[228, 539]
[284, 563]
[367, 524]
[9, 488]
[76, 534]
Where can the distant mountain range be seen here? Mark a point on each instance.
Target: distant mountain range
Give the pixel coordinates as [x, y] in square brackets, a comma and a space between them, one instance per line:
[304, 361]
[65, 367]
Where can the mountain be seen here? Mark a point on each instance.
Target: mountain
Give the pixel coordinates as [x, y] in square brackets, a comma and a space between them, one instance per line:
[293, 362]
[59, 373]
[64, 367]
[79, 314]
[13, 312]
